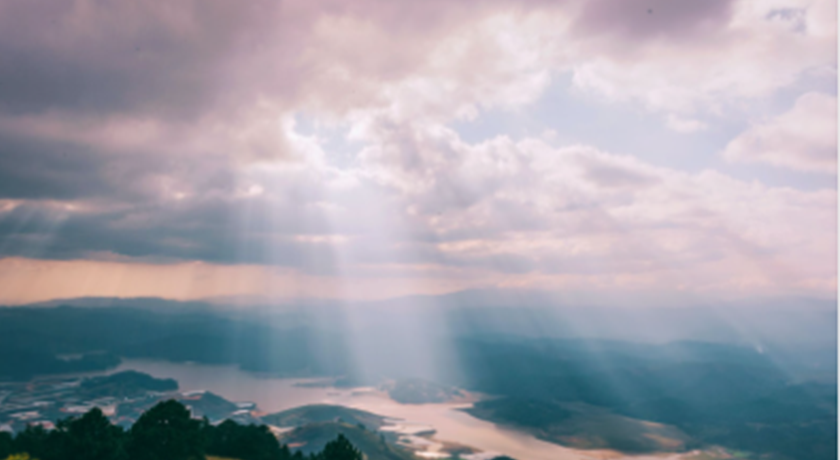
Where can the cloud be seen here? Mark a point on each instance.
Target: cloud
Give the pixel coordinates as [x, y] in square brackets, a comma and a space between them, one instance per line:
[158, 134]
[659, 19]
[498, 211]
[803, 138]
[743, 51]
[611, 176]
[685, 125]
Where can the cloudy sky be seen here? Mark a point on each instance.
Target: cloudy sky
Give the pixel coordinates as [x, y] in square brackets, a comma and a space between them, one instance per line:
[379, 148]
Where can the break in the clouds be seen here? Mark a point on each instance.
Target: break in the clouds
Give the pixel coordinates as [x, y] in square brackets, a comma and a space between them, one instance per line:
[315, 149]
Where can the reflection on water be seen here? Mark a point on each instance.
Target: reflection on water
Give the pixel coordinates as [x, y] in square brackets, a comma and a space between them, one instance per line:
[275, 394]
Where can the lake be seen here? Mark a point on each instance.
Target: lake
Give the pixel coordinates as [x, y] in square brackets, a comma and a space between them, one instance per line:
[272, 394]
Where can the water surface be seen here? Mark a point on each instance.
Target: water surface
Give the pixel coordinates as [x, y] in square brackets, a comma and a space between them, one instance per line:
[272, 394]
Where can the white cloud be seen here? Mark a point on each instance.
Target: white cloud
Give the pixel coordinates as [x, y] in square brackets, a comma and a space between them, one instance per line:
[804, 138]
[685, 125]
[530, 214]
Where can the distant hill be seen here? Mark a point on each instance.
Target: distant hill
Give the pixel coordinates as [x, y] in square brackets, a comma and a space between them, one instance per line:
[22, 363]
[34, 338]
[582, 426]
[419, 391]
[313, 437]
[125, 384]
[320, 413]
[149, 303]
[542, 313]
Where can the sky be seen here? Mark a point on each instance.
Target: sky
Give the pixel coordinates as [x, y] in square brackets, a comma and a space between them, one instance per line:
[382, 148]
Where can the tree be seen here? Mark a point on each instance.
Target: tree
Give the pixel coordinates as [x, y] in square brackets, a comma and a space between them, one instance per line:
[244, 442]
[37, 442]
[166, 432]
[341, 449]
[91, 437]
[6, 444]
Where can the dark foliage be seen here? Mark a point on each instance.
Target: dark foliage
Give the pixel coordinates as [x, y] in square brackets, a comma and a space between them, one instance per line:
[6, 444]
[339, 449]
[91, 437]
[165, 432]
[244, 442]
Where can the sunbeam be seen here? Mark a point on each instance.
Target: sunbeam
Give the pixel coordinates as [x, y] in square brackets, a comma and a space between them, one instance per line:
[392, 230]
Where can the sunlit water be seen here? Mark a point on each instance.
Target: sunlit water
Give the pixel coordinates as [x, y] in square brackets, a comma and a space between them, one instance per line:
[273, 394]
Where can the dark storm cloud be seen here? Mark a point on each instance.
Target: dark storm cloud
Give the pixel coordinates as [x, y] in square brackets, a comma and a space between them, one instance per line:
[36, 168]
[117, 56]
[32, 169]
[206, 230]
[93, 61]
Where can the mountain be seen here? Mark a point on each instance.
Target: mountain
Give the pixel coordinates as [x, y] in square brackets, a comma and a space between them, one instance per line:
[583, 426]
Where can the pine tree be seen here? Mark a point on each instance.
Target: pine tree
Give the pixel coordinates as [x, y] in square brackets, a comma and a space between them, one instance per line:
[91, 437]
[166, 432]
[341, 449]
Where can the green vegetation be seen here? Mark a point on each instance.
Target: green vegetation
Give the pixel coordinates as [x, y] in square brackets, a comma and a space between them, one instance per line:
[165, 432]
[245, 442]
